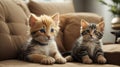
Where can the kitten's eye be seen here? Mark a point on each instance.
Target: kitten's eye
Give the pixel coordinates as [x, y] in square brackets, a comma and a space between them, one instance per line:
[95, 32]
[42, 30]
[52, 30]
[87, 31]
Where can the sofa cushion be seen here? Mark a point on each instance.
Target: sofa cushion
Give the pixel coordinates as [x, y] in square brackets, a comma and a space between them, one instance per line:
[17, 63]
[13, 27]
[50, 8]
[112, 53]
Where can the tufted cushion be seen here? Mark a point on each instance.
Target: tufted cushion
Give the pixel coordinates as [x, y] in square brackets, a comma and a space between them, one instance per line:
[50, 8]
[13, 27]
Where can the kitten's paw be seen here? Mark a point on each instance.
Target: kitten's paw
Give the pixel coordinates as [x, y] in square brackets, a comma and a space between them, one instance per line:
[60, 60]
[69, 58]
[86, 60]
[101, 59]
[48, 60]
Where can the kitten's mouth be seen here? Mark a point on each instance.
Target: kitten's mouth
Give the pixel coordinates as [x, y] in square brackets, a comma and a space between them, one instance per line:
[39, 42]
[91, 39]
[44, 42]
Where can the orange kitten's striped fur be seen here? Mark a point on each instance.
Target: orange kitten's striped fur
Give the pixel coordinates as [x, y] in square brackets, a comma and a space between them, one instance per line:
[42, 48]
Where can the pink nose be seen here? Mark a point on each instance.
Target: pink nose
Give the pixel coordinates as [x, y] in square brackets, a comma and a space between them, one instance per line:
[90, 35]
[48, 37]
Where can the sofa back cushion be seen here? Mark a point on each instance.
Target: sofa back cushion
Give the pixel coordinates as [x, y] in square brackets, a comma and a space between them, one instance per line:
[13, 27]
[50, 8]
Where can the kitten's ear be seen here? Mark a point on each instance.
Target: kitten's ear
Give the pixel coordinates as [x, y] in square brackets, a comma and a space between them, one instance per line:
[100, 26]
[55, 17]
[84, 23]
[32, 20]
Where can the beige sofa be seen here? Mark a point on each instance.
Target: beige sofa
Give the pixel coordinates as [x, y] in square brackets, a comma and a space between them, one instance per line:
[14, 32]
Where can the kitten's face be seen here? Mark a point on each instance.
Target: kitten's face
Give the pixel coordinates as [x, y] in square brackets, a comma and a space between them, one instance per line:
[90, 31]
[44, 28]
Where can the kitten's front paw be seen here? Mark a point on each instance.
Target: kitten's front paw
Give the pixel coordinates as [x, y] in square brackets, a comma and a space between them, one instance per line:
[48, 60]
[60, 60]
[101, 59]
[86, 60]
[69, 58]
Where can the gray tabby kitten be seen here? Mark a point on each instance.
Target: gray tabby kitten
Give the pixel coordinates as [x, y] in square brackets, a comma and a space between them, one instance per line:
[87, 47]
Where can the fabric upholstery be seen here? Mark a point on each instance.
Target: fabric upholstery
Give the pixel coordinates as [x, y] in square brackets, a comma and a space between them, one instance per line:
[112, 53]
[50, 8]
[17, 63]
[13, 27]
[59, 40]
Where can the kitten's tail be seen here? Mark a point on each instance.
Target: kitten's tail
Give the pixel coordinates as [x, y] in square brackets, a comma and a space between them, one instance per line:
[68, 56]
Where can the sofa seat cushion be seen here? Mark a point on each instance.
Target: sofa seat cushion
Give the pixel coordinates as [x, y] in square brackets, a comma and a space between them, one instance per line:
[112, 53]
[17, 63]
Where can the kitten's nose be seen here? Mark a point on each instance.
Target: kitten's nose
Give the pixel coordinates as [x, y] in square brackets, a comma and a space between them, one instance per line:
[48, 36]
[90, 35]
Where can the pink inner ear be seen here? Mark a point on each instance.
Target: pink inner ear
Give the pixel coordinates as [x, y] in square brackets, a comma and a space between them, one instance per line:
[55, 17]
[32, 20]
[84, 23]
[101, 26]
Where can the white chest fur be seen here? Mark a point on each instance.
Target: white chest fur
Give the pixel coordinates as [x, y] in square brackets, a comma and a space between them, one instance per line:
[48, 50]
[91, 47]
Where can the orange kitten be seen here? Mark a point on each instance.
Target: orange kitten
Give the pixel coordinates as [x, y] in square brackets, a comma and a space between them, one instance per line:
[42, 47]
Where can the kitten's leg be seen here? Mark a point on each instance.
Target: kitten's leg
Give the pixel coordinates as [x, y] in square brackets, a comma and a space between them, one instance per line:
[86, 59]
[99, 55]
[38, 58]
[59, 58]
[82, 53]
[69, 58]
